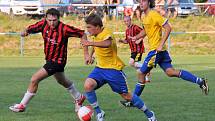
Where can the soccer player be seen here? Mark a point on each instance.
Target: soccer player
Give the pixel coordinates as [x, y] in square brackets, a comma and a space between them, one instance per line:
[108, 68]
[137, 49]
[153, 24]
[55, 35]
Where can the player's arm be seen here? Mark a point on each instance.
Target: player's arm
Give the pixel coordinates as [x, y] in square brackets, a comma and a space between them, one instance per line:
[103, 44]
[142, 34]
[165, 36]
[123, 41]
[139, 41]
[86, 51]
[92, 58]
[34, 28]
[138, 29]
[71, 31]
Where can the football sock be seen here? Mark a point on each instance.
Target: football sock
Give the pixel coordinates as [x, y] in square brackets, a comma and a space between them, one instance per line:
[27, 97]
[139, 88]
[74, 92]
[147, 78]
[190, 77]
[137, 102]
[91, 97]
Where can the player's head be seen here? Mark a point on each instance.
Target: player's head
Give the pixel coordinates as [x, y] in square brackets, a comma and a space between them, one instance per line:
[94, 24]
[127, 20]
[52, 17]
[146, 4]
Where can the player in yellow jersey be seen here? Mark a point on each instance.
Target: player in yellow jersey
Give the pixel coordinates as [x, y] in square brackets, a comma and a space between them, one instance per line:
[108, 69]
[153, 23]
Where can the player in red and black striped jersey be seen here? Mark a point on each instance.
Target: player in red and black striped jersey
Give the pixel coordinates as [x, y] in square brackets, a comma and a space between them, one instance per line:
[137, 49]
[55, 35]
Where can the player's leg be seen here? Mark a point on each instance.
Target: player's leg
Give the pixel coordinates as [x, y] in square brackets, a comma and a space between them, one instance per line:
[166, 65]
[138, 65]
[93, 82]
[139, 103]
[64, 81]
[148, 64]
[139, 86]
[131, 62]
[118, 85]
[31, 91]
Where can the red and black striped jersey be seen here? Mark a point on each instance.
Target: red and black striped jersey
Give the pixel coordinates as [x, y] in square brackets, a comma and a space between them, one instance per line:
[132, 31]
[55, 40]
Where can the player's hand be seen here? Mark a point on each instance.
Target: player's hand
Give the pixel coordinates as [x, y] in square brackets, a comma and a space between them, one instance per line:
[86, 59]
[138, 41]
[133, 38]
[91, 60]
[85, 42]
[24, 33]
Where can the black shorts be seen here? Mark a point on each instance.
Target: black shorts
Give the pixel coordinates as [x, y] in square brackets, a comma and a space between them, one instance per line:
[52, 67]
[136, 56]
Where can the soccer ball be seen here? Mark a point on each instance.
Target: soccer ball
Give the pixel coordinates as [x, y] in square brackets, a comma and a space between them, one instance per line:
[85, 113]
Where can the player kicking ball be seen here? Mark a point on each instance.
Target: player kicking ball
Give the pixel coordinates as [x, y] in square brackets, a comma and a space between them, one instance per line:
[108, 69]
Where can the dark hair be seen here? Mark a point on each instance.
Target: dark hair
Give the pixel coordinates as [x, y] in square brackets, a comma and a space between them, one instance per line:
[94, 20]
[151, 3]
[54, 12]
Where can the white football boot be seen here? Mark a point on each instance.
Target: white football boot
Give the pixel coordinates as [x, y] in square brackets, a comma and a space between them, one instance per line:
[100, 116]
[17, 108]
[153, 118]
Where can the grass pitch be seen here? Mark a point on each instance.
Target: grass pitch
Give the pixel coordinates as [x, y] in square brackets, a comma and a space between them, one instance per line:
[172, 99]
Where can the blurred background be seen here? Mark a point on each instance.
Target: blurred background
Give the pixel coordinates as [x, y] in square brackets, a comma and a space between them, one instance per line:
[192, 21]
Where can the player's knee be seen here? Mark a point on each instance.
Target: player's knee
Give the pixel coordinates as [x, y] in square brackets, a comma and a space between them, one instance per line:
[34, 80]
[131, 64]
[89, 85]
[170, 72]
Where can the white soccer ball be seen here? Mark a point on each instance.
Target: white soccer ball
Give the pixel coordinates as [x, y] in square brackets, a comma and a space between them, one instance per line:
[85, 113]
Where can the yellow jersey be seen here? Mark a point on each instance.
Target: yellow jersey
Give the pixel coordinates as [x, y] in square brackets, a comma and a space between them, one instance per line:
[107, 57]
[152, 23]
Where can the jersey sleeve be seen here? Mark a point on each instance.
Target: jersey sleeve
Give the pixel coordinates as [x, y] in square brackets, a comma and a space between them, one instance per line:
[37, 27]
[71, 31]
[137, 29]
[107, 35]
[159, 20]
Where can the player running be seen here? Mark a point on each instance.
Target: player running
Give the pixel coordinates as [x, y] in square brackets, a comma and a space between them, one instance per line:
[108, 69]
[153, 24]
[137, 49]
[55, 35]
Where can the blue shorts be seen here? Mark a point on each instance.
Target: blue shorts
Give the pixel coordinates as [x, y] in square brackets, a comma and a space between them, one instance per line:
[116, 79]
[153, 58]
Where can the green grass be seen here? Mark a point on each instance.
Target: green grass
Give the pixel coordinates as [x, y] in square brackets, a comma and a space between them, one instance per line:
[172, 99]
